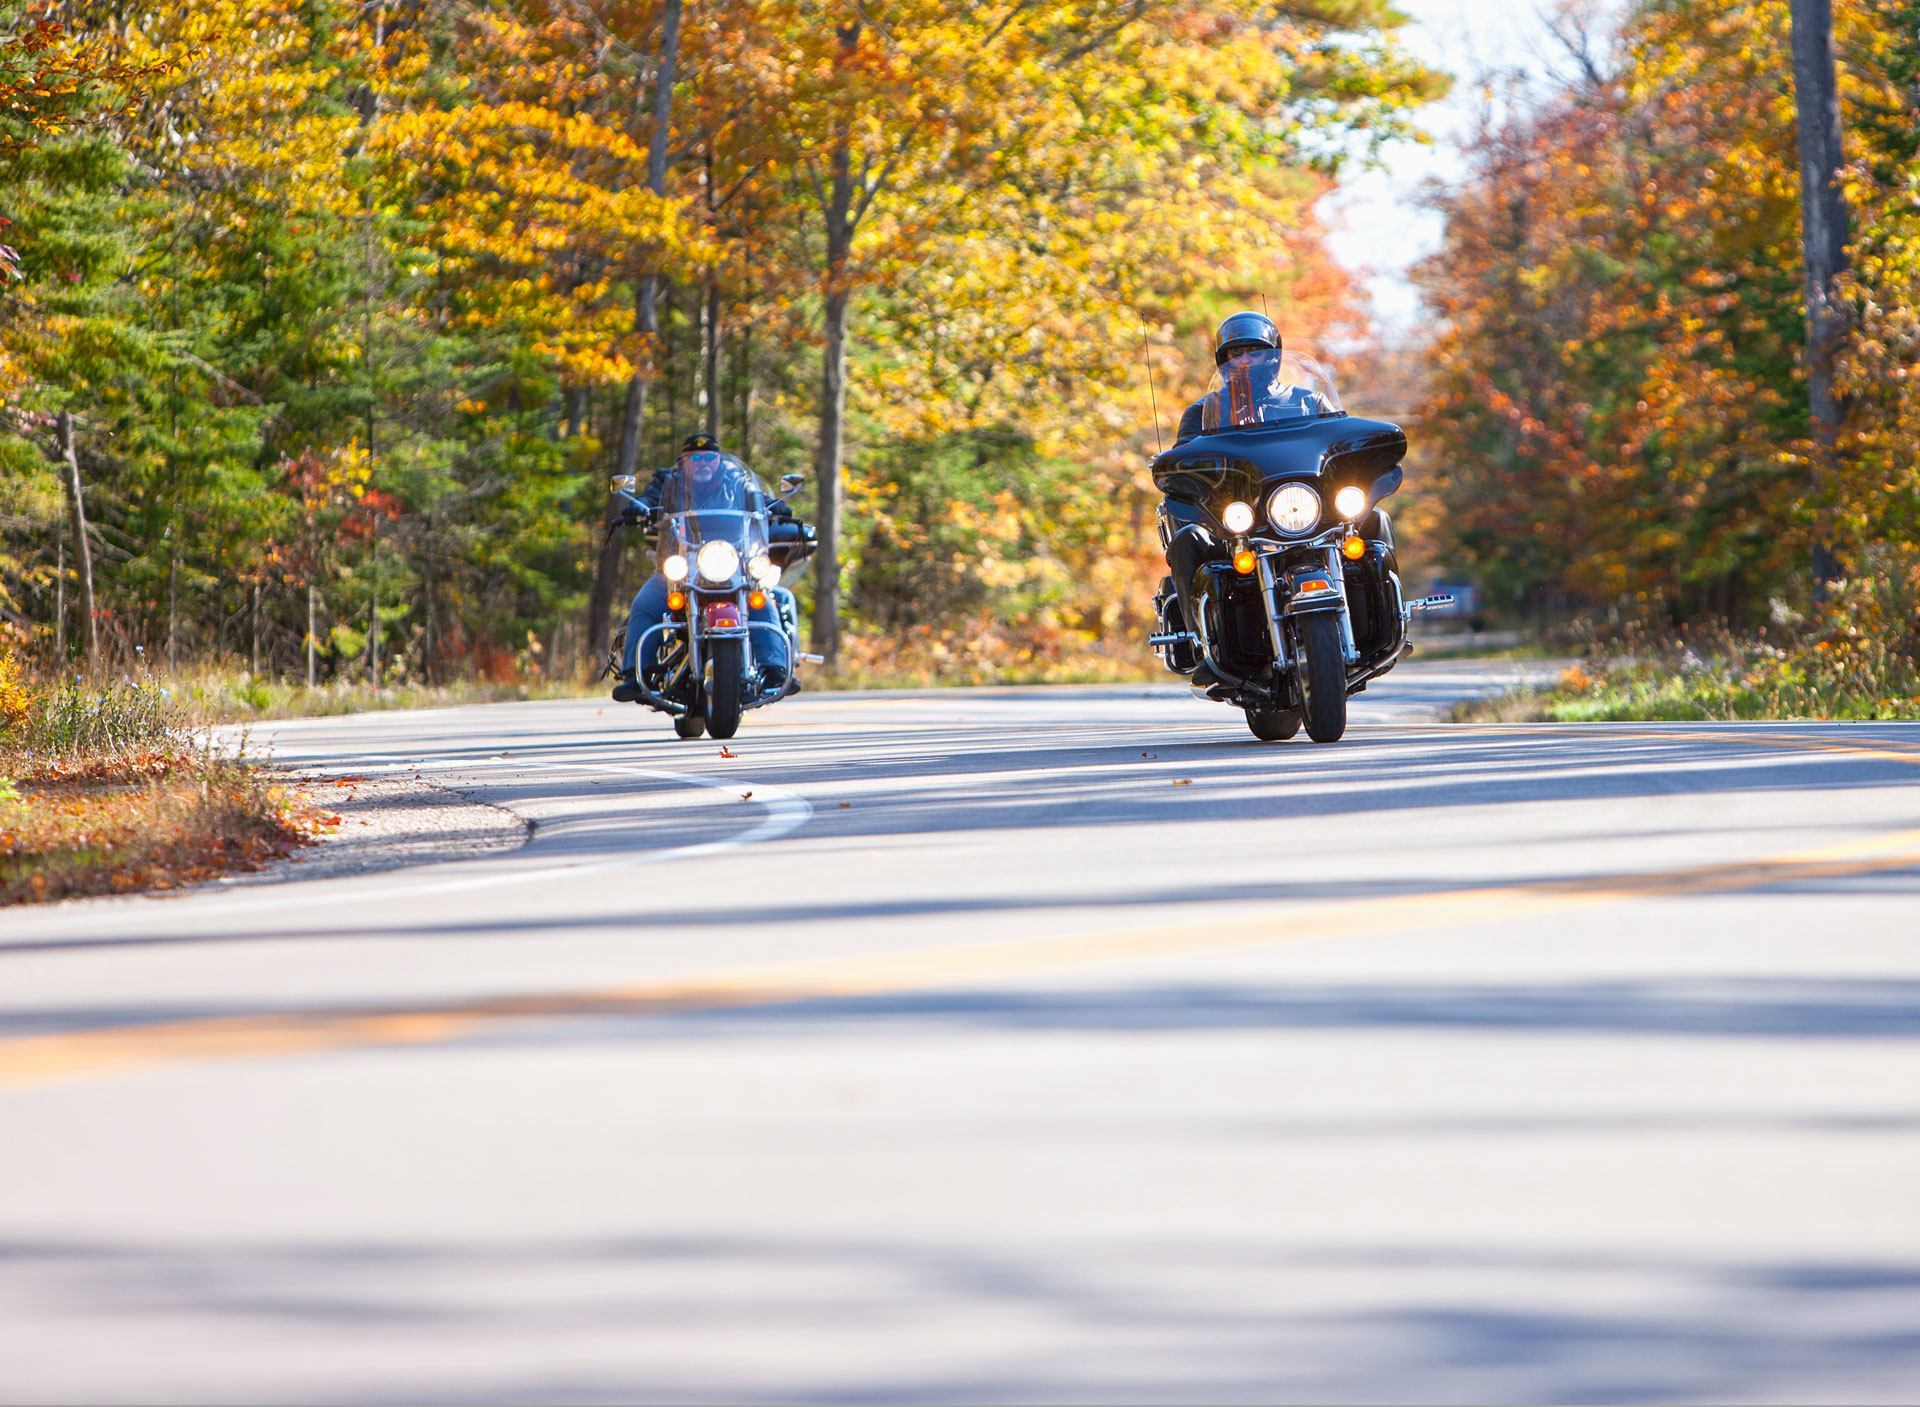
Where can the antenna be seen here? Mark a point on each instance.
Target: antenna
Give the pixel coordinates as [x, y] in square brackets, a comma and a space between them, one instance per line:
[1264, 309]
[1153, 396]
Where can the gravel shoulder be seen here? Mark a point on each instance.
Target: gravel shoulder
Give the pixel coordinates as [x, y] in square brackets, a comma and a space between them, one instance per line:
[389, 823]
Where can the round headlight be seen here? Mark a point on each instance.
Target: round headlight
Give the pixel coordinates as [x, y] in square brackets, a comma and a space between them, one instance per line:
[759, 565]
[1350, 502]
[674, 568]
[718, 561]
[772, 577]
[1294, 509]
[1238, 518]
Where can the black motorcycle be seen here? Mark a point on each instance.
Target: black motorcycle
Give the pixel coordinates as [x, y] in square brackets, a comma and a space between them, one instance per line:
[1306, 606]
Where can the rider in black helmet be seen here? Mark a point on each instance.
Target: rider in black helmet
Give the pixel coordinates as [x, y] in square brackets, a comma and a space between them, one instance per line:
[1239, 335]
[1247, 352]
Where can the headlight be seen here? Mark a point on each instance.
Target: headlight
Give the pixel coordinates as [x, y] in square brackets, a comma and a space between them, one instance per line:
[1238, 517]
[772, 578]
[1294, 509]
[674, 568]
[718, 561]
[1350, 502]
[759, 565]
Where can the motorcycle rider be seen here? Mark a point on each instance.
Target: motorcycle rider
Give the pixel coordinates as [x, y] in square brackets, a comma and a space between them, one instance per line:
[1254, 388]
[703, 464]
[1254, 383]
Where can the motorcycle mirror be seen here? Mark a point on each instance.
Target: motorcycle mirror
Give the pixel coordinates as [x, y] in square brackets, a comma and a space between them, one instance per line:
[624, 483]
[790, 482]
[1384, 485]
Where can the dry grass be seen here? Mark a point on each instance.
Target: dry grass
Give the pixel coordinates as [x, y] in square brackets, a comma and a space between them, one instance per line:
[100, 793]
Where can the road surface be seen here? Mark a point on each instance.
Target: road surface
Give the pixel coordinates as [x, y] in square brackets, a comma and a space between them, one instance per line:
[1001, 1045]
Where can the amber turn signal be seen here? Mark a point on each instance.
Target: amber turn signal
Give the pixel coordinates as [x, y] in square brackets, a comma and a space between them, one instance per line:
[1355, 548]
[1243, 562]
[756, 599]
[676, 600]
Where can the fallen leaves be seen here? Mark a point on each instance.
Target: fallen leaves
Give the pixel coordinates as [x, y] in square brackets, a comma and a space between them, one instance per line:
[728, 752]
[1182, 781]
[117, 825]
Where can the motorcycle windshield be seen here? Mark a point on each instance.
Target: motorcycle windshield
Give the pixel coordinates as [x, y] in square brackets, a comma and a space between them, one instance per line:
[1265, 387]
[713, 496]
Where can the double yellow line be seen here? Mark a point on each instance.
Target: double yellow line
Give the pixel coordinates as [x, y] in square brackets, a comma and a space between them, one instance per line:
[96, 1052]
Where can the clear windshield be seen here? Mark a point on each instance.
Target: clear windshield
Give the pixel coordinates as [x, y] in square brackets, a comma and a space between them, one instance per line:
[1264, 387]
[709, 496]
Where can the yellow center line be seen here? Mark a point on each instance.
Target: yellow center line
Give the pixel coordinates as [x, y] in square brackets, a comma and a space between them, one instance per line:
[100, 1051]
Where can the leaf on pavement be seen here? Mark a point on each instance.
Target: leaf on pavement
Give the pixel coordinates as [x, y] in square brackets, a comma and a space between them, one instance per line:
[1183, 781]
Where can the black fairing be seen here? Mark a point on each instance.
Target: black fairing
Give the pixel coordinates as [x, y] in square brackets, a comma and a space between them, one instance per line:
[1210, 471]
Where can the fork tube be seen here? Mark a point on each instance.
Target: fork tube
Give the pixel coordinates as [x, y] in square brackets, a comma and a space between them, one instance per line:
[1276, 630]
[1339, 573]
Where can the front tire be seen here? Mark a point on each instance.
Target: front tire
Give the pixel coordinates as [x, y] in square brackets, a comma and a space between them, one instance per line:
[725, 695]
[1273, 725]
[1324, 678]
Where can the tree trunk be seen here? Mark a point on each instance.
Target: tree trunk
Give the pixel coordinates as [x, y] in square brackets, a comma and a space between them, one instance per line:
[1823, 238]
[646, 322]
[173, 604]
[310, 635]
[77, 531]
[833, 406]
[60, 603]
[713, 359]
[743, 373]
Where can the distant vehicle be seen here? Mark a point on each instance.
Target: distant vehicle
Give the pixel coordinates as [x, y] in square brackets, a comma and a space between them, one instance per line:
[1465, 608]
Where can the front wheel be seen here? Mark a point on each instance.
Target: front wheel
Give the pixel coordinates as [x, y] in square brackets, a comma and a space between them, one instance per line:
[690, 725]
[725, 695]
[1323, 676]
[1273, 725]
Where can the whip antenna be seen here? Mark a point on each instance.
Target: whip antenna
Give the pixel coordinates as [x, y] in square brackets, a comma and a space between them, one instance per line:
[1153, 397]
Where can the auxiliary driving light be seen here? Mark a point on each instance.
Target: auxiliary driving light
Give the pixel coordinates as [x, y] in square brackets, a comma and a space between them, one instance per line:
[1243, 562]
[674, 568]
[759, 565]
[1350, 502]
[718, 560]
[1238, 518]
[1354, 548]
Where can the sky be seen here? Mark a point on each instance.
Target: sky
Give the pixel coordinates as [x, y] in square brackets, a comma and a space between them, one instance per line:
[1380, 228]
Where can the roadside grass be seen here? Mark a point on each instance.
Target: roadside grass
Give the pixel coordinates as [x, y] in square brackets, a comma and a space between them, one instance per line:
[1842, 674]
[215, 695]
[987, 653]
[102, 791]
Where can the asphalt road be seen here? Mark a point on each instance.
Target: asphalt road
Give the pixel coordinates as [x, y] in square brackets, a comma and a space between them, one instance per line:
[1002, 1046]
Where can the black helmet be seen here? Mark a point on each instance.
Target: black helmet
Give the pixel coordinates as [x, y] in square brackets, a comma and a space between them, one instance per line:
[693, 444]
[1243, 332]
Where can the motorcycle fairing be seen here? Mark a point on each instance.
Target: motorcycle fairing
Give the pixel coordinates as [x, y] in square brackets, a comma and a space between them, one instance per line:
[1213, 470]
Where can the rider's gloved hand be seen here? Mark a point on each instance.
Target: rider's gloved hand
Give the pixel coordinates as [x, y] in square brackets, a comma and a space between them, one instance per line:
[781, 510]
[636, 513]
